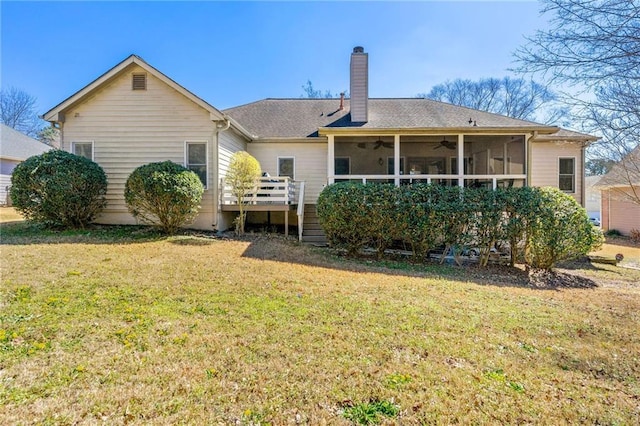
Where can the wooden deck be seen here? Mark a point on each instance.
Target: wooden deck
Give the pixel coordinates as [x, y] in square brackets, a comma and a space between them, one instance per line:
[270, 194]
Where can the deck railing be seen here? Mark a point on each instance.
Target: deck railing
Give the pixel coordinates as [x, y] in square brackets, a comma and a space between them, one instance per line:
[267, 190]
[492, 181]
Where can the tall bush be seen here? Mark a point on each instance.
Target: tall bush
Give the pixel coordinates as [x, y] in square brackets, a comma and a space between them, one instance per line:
[560, 231]
[418, 221]
[58, 188]
[164, 194]
[486, 219]
[452, 211]
[243, 174]
[519, 206]
[380, 219]
[341, 216]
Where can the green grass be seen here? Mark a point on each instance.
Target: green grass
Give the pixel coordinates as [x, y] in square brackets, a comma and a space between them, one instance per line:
[121, 325]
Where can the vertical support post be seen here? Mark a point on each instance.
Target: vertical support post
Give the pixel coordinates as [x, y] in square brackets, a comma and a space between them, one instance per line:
[396, 159]
[331, 163]
[286, 223]
[460, 160]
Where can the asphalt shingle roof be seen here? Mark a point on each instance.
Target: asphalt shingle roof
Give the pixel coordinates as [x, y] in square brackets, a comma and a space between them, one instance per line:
[18, 146]
[272, 118]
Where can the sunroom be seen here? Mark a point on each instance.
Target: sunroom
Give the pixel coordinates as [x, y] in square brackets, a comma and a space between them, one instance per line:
[471, 160]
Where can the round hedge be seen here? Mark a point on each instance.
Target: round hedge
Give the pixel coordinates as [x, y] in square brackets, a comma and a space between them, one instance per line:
[58, 188]
[164, 194]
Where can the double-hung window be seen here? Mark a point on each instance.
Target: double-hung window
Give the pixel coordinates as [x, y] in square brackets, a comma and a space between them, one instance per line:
[286, 167]
[196, 159]
[83, 149]
[567, 174]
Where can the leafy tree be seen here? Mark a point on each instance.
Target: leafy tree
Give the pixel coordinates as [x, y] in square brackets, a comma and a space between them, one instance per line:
[18, 111]
[49, 135]
[58, 188]
[513, 97]
[598, 166]
[243, 174]
[164, 194]
[594, 47]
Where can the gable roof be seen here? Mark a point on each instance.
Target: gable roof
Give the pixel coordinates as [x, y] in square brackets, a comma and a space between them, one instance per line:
[18, 146]
[624, 173]
[301, 118]
[56, 113]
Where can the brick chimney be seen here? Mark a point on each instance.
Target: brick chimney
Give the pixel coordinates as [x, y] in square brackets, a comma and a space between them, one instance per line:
[359, 85]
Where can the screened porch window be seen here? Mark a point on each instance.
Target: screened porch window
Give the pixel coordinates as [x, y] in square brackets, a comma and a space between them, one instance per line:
[342, 165]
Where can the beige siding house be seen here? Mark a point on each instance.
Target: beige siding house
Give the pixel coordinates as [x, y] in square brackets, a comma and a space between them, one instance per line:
[15, 147]
[620, 195]
[133, 115]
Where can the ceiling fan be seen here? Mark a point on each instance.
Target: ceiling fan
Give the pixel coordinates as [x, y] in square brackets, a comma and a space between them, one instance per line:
[377, 144]
[381, 143]
[447, 144]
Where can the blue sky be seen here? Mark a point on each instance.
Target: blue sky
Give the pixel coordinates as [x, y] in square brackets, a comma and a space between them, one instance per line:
[231, 53]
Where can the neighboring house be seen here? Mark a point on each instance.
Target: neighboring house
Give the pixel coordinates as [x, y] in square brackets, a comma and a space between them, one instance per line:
[620, 195]
[15, 147]
[592, 199]
[133, 114]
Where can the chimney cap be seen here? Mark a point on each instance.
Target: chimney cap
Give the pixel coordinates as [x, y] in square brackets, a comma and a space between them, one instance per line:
[358, 49]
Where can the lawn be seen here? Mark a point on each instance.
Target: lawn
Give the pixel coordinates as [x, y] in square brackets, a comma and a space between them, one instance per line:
[120, 325]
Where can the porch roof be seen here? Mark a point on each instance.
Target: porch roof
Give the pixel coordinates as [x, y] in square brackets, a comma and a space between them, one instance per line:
[302, 118]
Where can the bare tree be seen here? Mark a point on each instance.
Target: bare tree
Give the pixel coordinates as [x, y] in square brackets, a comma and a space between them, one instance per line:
[310, 92]
[593, 47]
[18, 111]
[513, 97]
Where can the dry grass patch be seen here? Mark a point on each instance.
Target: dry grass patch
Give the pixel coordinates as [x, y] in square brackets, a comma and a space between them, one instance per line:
[98, 326]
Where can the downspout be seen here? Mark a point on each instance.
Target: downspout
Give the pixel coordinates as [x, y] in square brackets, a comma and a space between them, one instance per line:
[583, 189]
[219, 127]
[529, 142]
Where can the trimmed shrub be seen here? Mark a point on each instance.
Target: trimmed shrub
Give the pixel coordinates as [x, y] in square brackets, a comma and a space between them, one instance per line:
[418, 222]
[519, 209]
[455, 215]
[164, 194]
[342, 217]
[380, 221]
[58, 188]
[486, 222]
[560, 230]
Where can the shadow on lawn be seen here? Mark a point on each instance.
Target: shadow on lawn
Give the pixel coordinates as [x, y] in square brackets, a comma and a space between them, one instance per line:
[277, 249]
[24, 233]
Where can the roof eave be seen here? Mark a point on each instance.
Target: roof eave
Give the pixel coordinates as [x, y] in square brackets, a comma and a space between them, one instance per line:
[291, 139]
[437, 130]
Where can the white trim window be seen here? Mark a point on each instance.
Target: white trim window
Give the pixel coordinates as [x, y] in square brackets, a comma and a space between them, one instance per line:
[567, 174]
[83, 149]
[287, 167]
[195, 159]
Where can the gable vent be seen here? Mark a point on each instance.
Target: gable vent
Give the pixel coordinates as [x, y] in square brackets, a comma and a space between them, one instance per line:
[139, 82]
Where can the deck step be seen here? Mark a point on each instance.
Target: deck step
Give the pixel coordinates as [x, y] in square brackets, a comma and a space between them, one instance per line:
[312, 231]
[320, 240]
